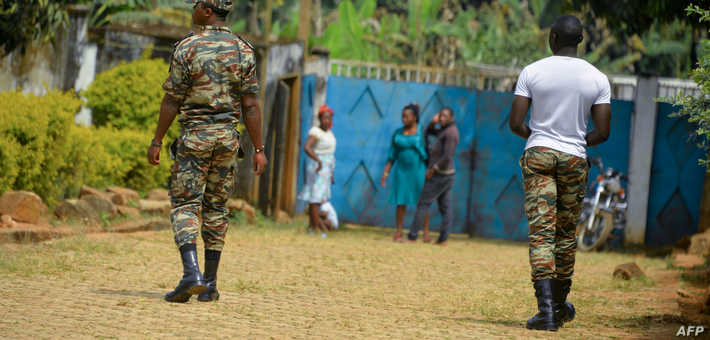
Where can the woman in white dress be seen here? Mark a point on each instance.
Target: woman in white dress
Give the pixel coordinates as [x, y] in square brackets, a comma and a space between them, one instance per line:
[320, 148]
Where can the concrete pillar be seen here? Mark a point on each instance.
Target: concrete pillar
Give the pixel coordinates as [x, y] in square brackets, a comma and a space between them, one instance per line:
[643, 130]
[319, 64]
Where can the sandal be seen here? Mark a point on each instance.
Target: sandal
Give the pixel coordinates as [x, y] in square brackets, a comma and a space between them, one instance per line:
[397, 236]
[426, 238]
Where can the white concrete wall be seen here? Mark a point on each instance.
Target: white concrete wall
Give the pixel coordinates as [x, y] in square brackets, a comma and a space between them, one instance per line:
[320, 66]
[33, 73]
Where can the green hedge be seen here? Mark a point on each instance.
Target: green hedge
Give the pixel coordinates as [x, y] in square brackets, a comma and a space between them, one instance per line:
[129, 95]
[130, 168]
[42, 150]
[33, 138]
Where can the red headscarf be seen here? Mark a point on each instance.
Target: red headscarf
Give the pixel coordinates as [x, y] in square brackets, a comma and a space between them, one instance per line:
[326, 109]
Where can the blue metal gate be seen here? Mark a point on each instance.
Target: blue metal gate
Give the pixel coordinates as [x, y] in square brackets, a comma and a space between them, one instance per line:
[497, 208]
[366, 114]
[676, 181]
[497, 195]
[488, 191]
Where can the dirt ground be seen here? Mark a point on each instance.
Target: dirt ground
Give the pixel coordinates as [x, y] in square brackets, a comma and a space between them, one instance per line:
[277, 282]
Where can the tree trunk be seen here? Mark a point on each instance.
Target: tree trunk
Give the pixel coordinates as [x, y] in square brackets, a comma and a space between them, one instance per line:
[267, 21]
[253, 19]
[317, 18]
[446, 47]
[694, 49]
[304, 21]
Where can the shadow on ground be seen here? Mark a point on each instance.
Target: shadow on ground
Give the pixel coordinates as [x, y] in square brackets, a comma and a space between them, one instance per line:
[150, 295]
[517, 324]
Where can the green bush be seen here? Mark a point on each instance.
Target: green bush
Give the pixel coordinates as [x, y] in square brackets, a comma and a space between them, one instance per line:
[90, 163]
[42, 150]
[9, 152]
[106, 156]
[128, 96]
[129, 165]
[33, 139]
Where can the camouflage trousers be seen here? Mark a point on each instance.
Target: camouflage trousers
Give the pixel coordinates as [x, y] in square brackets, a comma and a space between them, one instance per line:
[555, 184]
[202, 179]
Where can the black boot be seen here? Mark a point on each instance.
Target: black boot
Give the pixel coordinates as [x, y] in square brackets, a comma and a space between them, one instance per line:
[564, 311]
[192, 281]
[545, 319]
[211, 264]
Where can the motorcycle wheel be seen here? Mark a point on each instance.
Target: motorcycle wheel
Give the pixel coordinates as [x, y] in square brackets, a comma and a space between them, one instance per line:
[588, 240]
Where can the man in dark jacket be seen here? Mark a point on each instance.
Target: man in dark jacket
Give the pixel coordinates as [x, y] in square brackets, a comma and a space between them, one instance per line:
[439, 175]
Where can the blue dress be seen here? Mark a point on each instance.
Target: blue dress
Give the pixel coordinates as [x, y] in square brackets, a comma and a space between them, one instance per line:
[408, 158]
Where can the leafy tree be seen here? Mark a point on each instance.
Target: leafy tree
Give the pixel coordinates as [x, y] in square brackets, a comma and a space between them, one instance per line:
[24, 23]
[27, 22]
[504, 32]
[667, 50]
[128, 96]
[346, 38]
[131, 12]
[454, 33]
[629, 17]
[697, 109]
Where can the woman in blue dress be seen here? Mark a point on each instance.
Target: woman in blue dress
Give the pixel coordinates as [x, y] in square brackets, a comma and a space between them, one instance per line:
[407, 151]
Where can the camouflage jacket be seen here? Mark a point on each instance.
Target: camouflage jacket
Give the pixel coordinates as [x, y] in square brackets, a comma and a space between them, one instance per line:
[209, 72]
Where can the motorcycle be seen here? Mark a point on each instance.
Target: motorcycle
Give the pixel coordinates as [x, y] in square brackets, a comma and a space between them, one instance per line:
[604, 211]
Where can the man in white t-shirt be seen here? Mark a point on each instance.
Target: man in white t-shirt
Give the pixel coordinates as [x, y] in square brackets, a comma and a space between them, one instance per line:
[562, 90]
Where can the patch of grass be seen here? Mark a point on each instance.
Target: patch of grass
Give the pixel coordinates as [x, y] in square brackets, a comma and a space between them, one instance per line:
[669, 262]
[260, 220]
[249, 286]
[55, 257]
[34, 263]
[276, 280]
[647, 321]
[82, 244]
[697, 276]
[635, 284]
[145, 214]
[105, 220]
[237, 218]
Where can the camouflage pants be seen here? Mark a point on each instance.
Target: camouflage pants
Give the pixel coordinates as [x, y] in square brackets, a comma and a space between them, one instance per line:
[555, 184]
[202, 178]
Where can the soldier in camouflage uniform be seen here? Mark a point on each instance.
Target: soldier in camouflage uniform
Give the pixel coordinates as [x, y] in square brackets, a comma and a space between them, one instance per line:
[212, 84]
[562, 90]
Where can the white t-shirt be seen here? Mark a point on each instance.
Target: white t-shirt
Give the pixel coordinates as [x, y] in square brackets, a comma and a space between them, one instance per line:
[331, 215]
[563, 90]
[325, 141]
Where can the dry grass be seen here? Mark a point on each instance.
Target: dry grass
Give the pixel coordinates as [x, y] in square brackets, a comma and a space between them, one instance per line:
[277, 282]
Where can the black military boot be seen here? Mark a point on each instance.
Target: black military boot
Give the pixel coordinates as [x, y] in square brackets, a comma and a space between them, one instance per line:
[192, 281]
[564, 311]
[211, 264]
[545, 318]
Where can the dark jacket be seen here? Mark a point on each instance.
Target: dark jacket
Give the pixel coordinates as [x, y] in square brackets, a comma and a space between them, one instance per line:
[441, 155]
